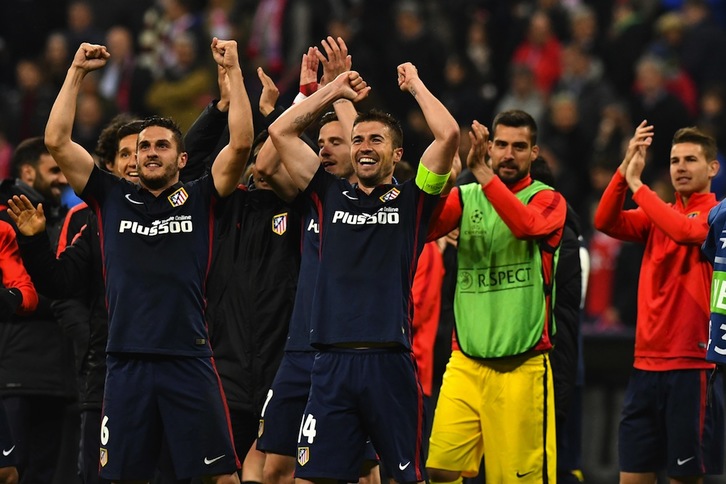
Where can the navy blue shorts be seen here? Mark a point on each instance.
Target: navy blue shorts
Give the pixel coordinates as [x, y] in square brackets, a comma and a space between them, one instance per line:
[7, 445]
[177, 399]
[285, 406]
[356, 393]
[673, 421]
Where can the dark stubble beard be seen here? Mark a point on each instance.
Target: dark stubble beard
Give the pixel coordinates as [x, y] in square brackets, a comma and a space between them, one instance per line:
[158, 182]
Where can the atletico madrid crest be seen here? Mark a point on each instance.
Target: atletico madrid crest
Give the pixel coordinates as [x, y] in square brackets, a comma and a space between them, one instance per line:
[178, 198]
[279, 223]
[303, 455]
[103, 457]
[261, 428]
[390, 195]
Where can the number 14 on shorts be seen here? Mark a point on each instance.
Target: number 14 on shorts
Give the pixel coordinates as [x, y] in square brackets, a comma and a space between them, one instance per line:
[307, 429]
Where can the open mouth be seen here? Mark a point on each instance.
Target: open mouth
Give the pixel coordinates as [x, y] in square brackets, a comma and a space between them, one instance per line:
[366, 161]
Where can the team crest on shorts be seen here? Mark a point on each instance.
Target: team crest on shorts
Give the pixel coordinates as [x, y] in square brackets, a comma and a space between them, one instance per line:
[178, 198]
[261, 428]
[279, 223]
[390, 195]
[303, 455]
[103, 457]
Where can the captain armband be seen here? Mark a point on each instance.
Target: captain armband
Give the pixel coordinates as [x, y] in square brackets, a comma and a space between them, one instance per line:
[429, 182]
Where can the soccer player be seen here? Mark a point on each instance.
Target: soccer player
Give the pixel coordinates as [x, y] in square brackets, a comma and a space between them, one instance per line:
[496, 399]
[364, 379]
[161, 381]
[288, 395]
[669, 420]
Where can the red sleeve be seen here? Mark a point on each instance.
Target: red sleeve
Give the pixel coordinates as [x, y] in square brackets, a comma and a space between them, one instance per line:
[544, 214]
[611, 219]
[677, 226]
[427, 308]
[69, 232]
[449, 213]
[13, 270]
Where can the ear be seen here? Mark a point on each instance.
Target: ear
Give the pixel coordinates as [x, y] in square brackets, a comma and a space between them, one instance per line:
[182, 160]
[535, 153]
[108, 165]
[713, 168]
[397, 155]
[27, 174]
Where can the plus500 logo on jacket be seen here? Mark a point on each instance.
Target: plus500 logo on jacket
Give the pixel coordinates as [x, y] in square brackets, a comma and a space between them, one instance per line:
[172, 225]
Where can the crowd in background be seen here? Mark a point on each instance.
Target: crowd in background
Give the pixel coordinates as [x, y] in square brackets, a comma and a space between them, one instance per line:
[588, 71]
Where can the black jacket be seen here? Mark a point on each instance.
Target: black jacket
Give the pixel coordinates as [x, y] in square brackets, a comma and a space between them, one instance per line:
[36, 354]
[568, 296]
[253, 276]
[77, 273]
[250, 293]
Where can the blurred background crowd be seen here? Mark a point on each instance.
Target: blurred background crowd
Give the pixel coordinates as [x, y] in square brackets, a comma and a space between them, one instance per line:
[587, 70]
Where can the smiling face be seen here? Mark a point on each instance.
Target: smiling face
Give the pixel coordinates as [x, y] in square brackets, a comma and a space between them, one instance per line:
[124, 164]
[373, 154]
[691, 171]
[511, 152]
[334, 151]
[159, 159]
[47, 178]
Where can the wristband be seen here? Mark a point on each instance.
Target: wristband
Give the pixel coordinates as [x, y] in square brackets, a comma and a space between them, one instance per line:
[309, 88]
[429, 182]
[300, 96]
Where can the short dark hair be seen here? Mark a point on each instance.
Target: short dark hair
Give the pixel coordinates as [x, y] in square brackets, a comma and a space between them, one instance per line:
[376, 115]
[696, 136]
[107, 145]
[516, 118]
[133, 127]
[326, 118]
[259, 140]
[169, 124]
[28, 152]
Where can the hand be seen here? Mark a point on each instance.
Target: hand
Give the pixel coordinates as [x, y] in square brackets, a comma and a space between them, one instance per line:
[28, 219]
[642, 138]
[270, 93]
[407, 73]
[223, 83]
[352, 86]
[337, 60]
[476, 159]
[309, 68]
[225, 53]
[90, 57]
[635, 169]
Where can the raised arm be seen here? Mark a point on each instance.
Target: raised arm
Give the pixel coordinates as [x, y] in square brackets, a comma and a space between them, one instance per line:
[299, 159]
[610, 218]
[75, 162]
[268, 162]
[336, 61]
[438, 156]
[230, 163]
